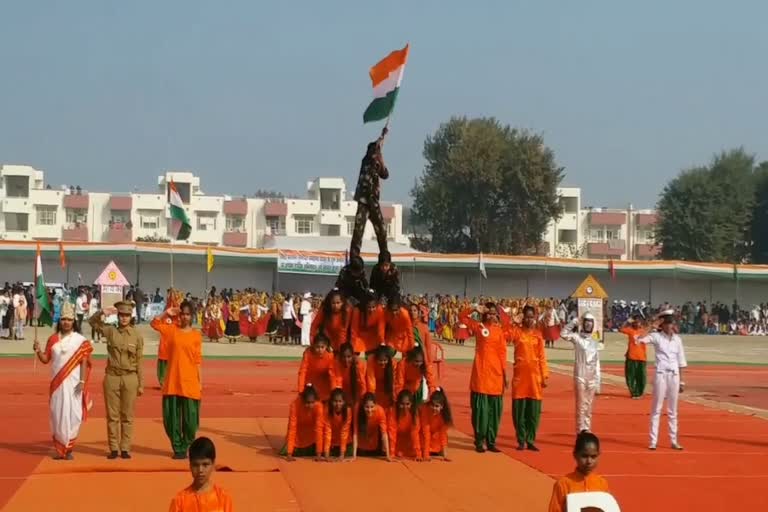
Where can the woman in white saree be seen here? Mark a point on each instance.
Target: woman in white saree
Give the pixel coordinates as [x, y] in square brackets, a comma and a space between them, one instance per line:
[70, 356]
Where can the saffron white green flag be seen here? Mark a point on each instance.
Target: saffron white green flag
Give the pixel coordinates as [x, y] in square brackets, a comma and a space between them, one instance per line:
[386, 76]
[481, 266]
[180, 226]
[41, 293]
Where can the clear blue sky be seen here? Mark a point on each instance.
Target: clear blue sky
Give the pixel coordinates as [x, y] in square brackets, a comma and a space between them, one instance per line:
[266, 94]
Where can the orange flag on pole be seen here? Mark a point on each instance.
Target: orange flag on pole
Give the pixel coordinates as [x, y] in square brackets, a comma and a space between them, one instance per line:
[62, 256]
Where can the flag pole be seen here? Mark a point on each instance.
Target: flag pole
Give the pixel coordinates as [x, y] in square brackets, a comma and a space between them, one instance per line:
[205, 267]
[171, 253]
[34, 306]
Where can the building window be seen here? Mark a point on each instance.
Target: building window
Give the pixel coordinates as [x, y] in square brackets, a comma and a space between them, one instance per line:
[183, 189]
[276, 226]
[77, 216]
[46, 215]
[235, 223]
[206, 222]
[149, 219]
[390, 230]
[603, 234]
[120, 218]
[350, 226]
[17, 222]
[304, 224]
[330, 199]
[645, 236]
[17, 186]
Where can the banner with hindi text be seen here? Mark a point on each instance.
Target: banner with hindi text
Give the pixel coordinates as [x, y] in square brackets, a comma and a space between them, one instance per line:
[310, 262]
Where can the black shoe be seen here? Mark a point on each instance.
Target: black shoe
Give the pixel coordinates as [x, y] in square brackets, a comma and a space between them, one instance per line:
[179, 456]
[69, 456]
[520, 447]
[125, 455]
[479, 449]
[532, 447]
[492, 448]
[112, 455]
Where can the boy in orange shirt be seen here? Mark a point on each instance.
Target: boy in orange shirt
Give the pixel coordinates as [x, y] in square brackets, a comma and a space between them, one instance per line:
[584, 479]
[202, 495]
[635, 363]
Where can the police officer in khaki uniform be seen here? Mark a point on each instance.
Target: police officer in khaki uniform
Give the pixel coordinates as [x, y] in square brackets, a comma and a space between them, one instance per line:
[124, 380]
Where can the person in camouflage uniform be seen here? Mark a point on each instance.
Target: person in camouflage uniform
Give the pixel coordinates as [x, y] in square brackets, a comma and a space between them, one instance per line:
[385, 278]
[367, 193]
[352, 282]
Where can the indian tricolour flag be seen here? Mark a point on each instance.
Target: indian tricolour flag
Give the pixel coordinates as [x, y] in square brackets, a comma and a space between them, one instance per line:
[386, 77]
[180, 226]
[41, 293]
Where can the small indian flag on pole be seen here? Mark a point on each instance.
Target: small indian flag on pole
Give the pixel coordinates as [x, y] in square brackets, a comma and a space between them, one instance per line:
[41, 293]
[180, 226]
[386, 77]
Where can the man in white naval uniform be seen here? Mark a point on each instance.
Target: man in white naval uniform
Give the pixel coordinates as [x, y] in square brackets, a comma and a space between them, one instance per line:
[670, 361]
[586, 368]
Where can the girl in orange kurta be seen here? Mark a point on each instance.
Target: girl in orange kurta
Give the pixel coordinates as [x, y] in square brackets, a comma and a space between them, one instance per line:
[370, 438]
[489, 374]
[317, 368]
[349, 374]
[435, 419]
[529, 377]
[182, 386]
[380, 376]
[337, 422]
[413, 373]
[368, 326]
[421, 333]
[584, 479]
[305, 426]
[399, 330]
[332, 320]
[404, 427]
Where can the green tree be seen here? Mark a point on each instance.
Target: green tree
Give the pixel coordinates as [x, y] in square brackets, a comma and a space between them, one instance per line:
[486, 187]
[706, 212]
[759, 225]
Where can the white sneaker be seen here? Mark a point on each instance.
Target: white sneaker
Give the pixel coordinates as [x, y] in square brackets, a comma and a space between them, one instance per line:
[677, 447]
[652, 447]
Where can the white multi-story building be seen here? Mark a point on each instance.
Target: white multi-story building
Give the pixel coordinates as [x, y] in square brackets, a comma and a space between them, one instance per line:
[30, 210]
[599, 233]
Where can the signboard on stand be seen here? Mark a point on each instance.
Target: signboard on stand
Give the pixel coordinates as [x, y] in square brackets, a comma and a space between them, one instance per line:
[112, 284]
[591, 297]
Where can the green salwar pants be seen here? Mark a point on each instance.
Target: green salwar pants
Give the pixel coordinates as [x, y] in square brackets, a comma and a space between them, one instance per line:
[162, 367]
[526, 413]
[181, 418]
[635, 376]
[486, 417]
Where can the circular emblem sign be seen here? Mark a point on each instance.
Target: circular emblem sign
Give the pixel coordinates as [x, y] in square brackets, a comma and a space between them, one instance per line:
[589, 290]
[112, 275]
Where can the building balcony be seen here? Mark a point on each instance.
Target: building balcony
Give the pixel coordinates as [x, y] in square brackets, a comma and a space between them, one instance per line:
[235, 239]
[388, 212]
[121, 203]
[607, 219]
[612, 248]
[332, 218]
[76, 202]
[74, 233]
[119, 233]
[275, 209]
[647, 251]
[236, 207]
[646, 219]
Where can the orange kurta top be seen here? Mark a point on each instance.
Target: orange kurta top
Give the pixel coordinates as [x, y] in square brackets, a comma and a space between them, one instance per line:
[166, 331]
[404, 434]
[572, 483]
[343, 379]
[305, 426]
[375, 430]
[635, 351]
[426, 339]
[318, 371]
[490, 364]
[399, 330]
[434, 431]
[336, 327]
[336, 430]
[185, 355]
[368, 337]
[375, 376]
[530, 367]
[214, 500]
[409, 377]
